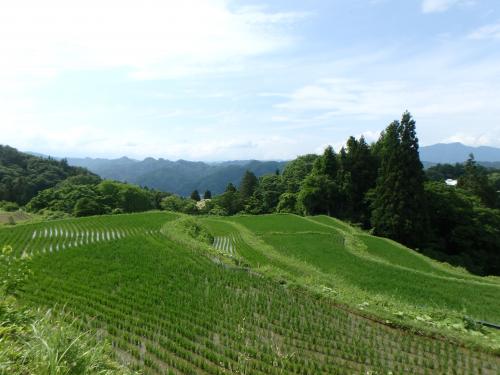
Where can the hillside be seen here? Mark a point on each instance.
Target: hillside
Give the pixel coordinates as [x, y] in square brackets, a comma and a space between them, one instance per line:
[266, 294]
[23, 175]
[457, 153]
[179, 177]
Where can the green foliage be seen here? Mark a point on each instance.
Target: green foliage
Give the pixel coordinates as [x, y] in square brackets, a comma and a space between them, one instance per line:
[399, 210]
[195, 196]
[9, 206]
[475, 180]
[85, 200]
[466, 232]
[195, 229]
[22, 176]
[248, 185]
[268, 192]
[442, 172]
[288, 203]
[296, 171]
[358, 174]
[230, 201]
[316, 194]
[86, 206]
[173, 203]
[207, 194]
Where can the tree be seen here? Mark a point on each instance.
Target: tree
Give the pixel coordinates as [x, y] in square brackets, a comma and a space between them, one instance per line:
[399, 210]
[266, 195]
[315, 196]
[173, 203]
[86, 206]
[320, 192]
[248, 185]
[475, 180]
[296, 171]
[327, 164]
[195, 196]
[230, 202]
[134, 199]
[207, 195]
[287, 203]
[464, 232]
[230, 188]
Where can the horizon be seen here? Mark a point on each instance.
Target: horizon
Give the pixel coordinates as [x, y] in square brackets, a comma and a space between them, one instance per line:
[220, 80]
[59, 157]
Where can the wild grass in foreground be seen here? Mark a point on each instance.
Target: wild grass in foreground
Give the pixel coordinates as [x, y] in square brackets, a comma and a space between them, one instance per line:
[44, 343]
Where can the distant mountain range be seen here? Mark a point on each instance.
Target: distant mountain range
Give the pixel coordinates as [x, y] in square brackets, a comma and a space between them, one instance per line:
[182, 177]
[179, 177]
[458, 153]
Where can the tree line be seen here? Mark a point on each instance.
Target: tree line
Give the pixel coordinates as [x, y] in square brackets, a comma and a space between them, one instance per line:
[381, 187]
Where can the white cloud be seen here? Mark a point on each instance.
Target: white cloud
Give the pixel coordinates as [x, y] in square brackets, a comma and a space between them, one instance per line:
[435, 6]
[151, 38]
[486, 32]
[334, 98]
[488, 138]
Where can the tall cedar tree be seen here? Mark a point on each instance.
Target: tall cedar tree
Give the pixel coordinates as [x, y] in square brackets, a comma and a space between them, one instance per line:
[399, 210]
[207, 195]
[248, 185]
[195, 196]
[358, 175]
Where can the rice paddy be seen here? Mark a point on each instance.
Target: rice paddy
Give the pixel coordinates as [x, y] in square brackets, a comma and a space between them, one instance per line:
[168, 308]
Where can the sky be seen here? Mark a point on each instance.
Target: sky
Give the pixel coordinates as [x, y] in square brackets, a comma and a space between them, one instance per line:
[223, 80]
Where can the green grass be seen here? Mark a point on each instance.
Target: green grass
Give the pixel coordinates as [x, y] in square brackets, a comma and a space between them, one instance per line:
[327, 253]
[373, 274]
[281, 223]
[398, 255]
[167, 304]
[332, 222]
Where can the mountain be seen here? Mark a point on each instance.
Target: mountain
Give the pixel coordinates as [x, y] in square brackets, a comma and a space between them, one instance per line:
[458, 153]
[23, 175]
[179, 177]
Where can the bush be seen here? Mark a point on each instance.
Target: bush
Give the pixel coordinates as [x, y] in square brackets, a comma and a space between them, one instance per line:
[9, 206]
[195, 229]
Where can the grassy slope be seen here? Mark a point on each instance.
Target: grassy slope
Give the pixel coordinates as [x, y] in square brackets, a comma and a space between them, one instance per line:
[167, 306]
[374, 274]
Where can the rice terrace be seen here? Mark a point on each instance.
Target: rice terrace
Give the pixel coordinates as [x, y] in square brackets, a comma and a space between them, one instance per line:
[218, 187]
[265, 294]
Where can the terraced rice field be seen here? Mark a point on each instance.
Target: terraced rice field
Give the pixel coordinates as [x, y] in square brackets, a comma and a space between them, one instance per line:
[168, 308]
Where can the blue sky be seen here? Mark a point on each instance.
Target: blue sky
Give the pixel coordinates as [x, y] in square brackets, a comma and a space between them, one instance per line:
[217, 80]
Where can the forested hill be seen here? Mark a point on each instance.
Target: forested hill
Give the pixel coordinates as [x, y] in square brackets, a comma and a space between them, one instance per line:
[179, 177]
[23, 175]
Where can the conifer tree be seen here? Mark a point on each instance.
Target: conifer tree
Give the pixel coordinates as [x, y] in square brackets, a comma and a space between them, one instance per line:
[358, 174]
[399, 207]
[230, 188]
[248, 185]
[475, 180]
[327, 164]
[195, 196]
[207, 195]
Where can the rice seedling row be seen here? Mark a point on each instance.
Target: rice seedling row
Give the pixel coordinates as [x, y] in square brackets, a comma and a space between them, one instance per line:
[167, 308]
